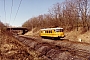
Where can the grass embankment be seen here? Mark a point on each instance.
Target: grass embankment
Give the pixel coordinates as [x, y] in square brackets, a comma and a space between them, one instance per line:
[11, 48]
[82, 35]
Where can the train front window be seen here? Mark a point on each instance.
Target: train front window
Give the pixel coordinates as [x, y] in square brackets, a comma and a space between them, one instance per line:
[59, 30]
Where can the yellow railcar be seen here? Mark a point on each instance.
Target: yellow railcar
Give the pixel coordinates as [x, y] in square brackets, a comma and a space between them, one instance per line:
[52, 32]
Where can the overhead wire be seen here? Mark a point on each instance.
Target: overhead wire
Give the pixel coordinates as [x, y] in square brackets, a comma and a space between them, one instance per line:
[17, 10]
[5, 11]
[0, 18]
[11, 11]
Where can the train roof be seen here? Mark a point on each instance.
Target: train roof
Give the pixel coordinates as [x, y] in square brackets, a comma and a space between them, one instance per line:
[51, 28]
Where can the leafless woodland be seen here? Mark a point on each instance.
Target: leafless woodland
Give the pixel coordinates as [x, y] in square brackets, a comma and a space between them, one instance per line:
[69, 14]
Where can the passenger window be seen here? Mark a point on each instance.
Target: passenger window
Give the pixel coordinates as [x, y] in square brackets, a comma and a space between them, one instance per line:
[45, 31]
[49, 31]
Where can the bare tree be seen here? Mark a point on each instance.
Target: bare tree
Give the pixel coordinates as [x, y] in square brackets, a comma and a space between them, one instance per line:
[71, 13]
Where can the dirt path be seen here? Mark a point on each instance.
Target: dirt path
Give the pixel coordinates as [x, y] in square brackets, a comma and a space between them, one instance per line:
[35, 48]
[58, 50]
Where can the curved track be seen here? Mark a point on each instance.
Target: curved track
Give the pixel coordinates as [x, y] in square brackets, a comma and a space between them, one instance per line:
[57, 49]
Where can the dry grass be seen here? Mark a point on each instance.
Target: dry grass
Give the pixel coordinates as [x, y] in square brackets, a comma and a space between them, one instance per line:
[11, 48]
[75, 35]
[34, 32]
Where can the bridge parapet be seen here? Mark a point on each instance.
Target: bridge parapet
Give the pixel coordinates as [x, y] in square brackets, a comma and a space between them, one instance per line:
[18, 28]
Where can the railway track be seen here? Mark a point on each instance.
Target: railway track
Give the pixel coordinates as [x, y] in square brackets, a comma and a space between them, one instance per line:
[57, 49]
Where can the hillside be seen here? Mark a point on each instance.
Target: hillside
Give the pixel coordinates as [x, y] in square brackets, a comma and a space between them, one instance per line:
[74, 35]
[12, 49]
[79, 36]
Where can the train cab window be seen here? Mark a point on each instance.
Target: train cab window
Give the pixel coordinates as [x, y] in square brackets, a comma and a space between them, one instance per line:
[42, 31]
[59, 30]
